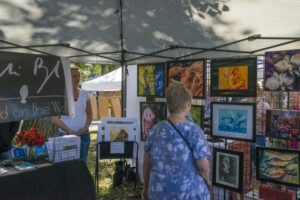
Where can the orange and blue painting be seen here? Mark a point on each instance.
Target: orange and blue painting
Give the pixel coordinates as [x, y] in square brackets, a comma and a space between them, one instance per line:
[233, 78]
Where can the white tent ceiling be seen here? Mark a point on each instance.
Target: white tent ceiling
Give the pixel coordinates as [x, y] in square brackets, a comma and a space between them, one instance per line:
[148, 26]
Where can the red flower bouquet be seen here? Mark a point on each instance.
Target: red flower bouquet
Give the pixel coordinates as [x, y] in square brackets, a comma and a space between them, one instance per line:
[31, 138]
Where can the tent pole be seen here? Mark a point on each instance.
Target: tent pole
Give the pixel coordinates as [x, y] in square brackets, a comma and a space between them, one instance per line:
[124, 71]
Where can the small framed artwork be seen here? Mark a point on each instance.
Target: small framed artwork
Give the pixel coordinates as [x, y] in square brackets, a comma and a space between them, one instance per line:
[151, 80]
[189, 72]
[228, 169]
[283, 124]
[150, 114]
[233, 120]
[233, 77]
[282, 72]
[278, 165]
[197, 113]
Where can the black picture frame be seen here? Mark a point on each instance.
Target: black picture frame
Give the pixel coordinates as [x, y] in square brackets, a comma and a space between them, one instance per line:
[228, 169]
[185, 64]
[228, 66]
[199, 122]
[280, 161]
[231, 125]
[161, 94]
[158, 109]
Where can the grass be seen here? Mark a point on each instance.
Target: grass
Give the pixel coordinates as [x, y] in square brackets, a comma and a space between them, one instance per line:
[105, 181]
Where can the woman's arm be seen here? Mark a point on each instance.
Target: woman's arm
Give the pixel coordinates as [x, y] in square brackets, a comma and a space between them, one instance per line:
[203, 167]
[89, 118]
[57, 121]
[146, 175]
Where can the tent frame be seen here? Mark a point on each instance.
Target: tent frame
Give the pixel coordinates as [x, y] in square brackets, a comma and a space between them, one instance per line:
[123, 62]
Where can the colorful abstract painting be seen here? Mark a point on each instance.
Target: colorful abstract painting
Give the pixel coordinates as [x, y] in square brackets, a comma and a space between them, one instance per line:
[151, 81]
[118, 133]
[278, 165]
[197, 114]
[191, 73]
[233, 121]
[151, 113]
[283, 124]
[282, 70]
[233, 78]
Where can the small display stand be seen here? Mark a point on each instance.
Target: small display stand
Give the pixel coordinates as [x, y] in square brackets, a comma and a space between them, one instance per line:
[118, 150]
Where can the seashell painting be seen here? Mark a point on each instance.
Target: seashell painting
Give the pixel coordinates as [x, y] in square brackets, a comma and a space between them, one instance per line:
[282, 70]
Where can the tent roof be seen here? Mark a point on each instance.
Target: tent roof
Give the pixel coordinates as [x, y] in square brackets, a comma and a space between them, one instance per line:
[89, 31]
[107, 82]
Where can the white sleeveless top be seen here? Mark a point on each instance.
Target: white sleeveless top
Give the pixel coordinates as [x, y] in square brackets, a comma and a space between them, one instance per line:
[78, 122]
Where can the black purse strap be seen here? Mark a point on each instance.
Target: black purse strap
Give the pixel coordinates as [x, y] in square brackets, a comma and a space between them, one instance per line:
[181, 135]
[211, 195]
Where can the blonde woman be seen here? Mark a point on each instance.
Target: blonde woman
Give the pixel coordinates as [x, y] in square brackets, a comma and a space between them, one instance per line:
[175, 164]
[79, 125]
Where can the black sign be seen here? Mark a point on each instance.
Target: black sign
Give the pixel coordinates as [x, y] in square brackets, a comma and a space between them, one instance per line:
[31, 86]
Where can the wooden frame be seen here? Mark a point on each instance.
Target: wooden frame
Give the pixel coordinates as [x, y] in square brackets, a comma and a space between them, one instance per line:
[281, 166]
[190, 73]
[228, 169]
[233, 120]
[157, 112]
[233, 77]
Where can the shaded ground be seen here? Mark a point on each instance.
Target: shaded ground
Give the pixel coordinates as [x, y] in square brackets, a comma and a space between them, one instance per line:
[106, 170]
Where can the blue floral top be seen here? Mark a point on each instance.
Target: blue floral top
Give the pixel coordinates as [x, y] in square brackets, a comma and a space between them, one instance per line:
[174, 174]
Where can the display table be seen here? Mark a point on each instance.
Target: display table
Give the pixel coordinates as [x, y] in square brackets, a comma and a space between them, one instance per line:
[61, 181]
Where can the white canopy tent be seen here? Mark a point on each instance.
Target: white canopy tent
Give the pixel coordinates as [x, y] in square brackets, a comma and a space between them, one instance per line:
[108, 82]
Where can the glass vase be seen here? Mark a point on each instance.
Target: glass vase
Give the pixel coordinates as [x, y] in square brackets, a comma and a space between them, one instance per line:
[30, 152]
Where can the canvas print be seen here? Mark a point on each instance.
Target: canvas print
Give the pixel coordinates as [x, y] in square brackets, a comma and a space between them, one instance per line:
[228, 169]
[282, 70]
[191, 73]
[278, 165]
[233, 120]
[197, 114]
[118, 133]
[234, 77]
[151, 80]
[151, 113]
[283, 124]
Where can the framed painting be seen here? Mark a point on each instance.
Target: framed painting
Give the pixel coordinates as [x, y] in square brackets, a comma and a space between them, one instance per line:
[233, 120]
[279, 166]
[283, 124]
[150, 114]
[233, 77]
[189, 72]
[197, 113]
[228, 169]
[282, 70]
[151, 80]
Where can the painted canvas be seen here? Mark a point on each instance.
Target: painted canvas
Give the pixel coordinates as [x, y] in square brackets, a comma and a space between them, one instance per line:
[283, 124]
[282, 70]
[228, 169]
[118, 133]
[234, 77]
[191, 73]
[150, 114]
[278, 165]
[197, 114]
[151, 80]
[233, 120]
